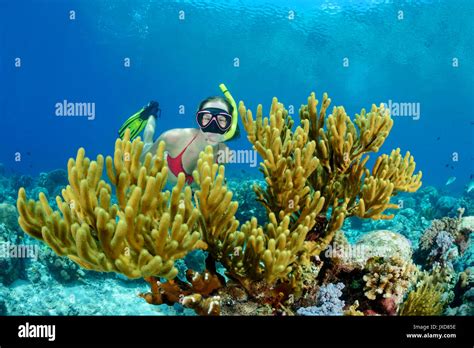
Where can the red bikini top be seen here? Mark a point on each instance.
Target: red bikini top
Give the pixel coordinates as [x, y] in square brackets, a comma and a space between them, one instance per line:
[175, 164]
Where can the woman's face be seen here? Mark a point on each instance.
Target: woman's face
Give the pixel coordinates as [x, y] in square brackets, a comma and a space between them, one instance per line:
[214, 138]
[222, 120]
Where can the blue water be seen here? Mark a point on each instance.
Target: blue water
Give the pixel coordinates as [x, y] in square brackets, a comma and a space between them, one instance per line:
[359, 52]
[180, 62]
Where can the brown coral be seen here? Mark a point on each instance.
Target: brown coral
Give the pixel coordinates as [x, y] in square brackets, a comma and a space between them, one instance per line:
[447, 224]
[198, 293]
[388, 277]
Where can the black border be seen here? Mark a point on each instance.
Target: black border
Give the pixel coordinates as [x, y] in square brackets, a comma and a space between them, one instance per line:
[162, 331]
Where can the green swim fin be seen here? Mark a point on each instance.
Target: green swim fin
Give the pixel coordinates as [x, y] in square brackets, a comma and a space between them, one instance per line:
[137, 122]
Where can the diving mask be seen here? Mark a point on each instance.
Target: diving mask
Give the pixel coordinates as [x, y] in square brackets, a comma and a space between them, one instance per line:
[214, 120]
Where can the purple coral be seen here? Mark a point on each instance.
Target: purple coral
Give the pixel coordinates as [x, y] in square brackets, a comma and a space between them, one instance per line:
[445, 249]
[328, 301]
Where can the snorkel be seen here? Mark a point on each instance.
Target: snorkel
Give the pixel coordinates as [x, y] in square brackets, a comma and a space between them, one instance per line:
[233, 128]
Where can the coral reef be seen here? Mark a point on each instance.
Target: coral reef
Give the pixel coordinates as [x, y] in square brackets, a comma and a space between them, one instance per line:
[388, 277]
[195, 294]
[8, 216]
[315, 177]
[53, 181]
[467, 306]
[11, 268]
[7, 191]
[253, 252]
[22, 258]
[249, 207]
[443, 249]
[353, 311]
[334, 178]
[386, 262]
[194, 260]
[463, 301]
[381, 243]
[377, 269]
[373, 245]
[425, 299]
[18, 181]
[60, 267]
[458, 228]
[446, 205]
[441, 246]
[131, 237]
[328, 302]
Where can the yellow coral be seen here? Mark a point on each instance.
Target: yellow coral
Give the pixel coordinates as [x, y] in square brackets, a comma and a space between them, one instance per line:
[352, 310]
[315, 176]
[320, 166]
[140, 236]
[288, 162]
[426, 299]
[341, 149]
[256, 252]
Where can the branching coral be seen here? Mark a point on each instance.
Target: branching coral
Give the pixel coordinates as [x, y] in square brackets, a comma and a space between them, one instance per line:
[388, 277]
[457, 228]
[320, 166]
[426, 299]
[195, 293]
[288, 161]
[254, 252]
[315, 177]
[342, 146]
[140, 236]
[440, 246]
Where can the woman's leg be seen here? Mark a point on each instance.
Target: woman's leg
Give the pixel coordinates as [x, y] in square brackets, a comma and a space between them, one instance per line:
[148, 134]
[149, 131]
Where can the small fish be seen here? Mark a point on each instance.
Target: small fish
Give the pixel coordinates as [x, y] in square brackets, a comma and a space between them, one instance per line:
[470, 186]
[447, 165]
[438, 138]
[450, 180]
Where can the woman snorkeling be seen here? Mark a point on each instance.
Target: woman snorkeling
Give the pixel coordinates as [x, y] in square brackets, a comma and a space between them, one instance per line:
[217, 120]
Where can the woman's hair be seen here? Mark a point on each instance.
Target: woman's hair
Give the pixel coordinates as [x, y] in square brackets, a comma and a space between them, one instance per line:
[210, 99]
